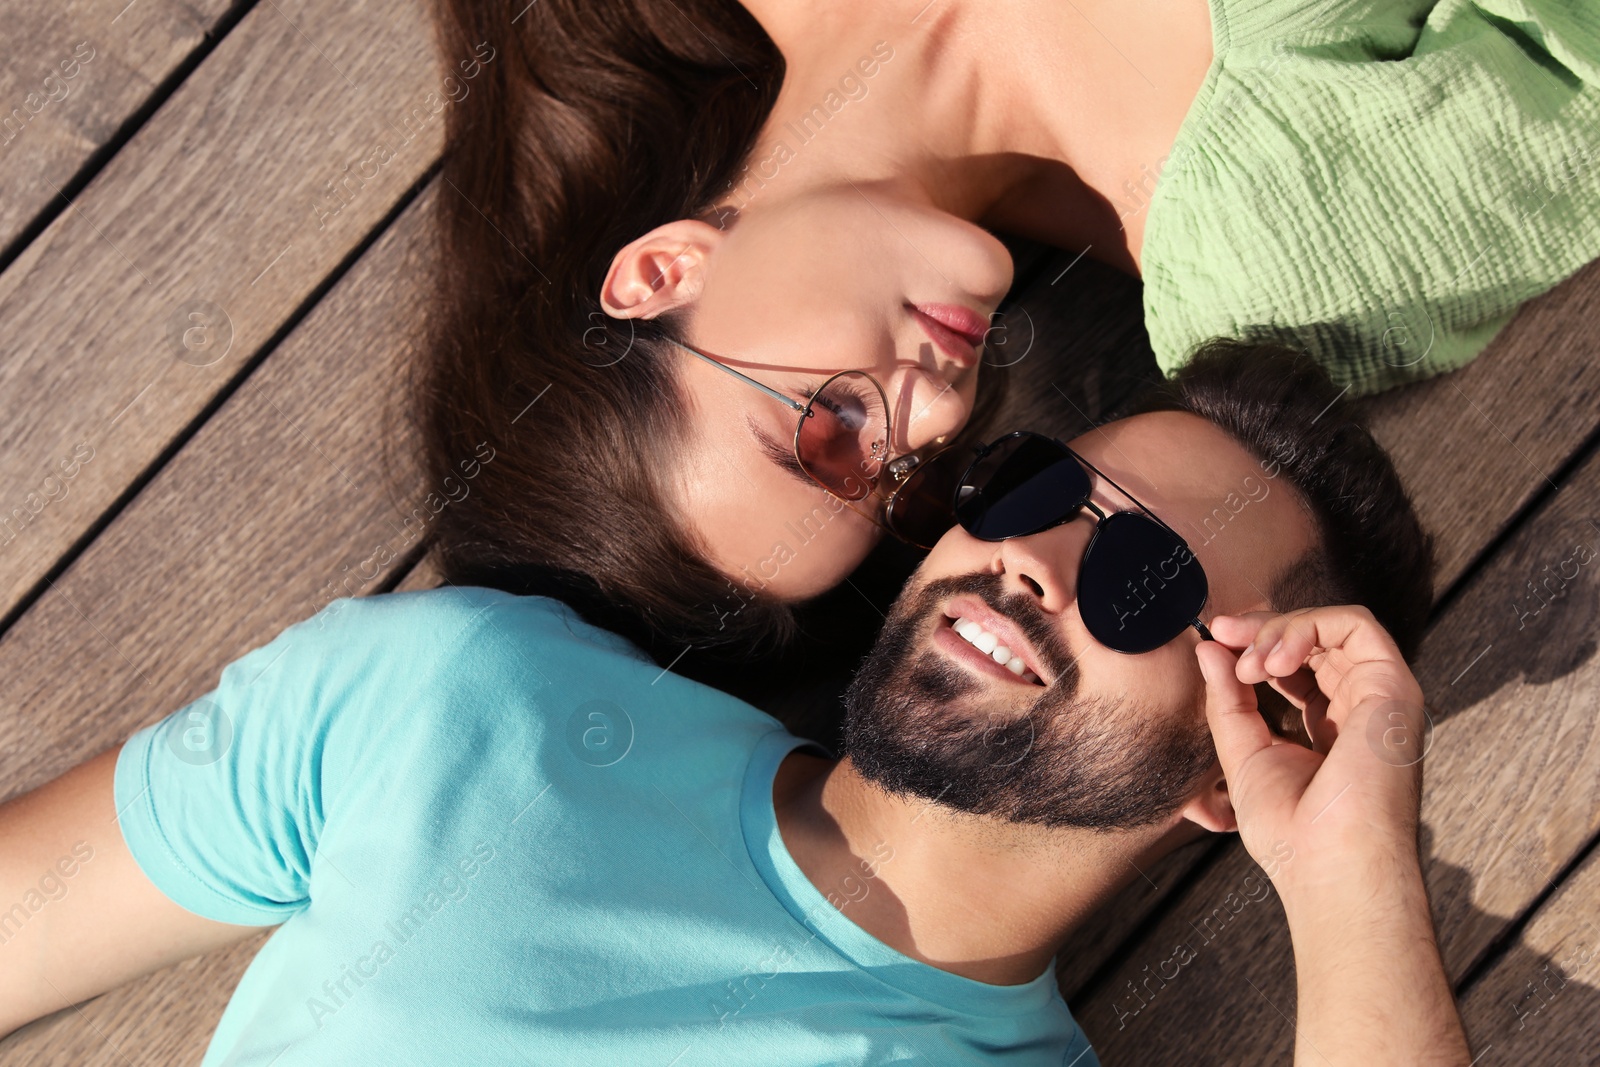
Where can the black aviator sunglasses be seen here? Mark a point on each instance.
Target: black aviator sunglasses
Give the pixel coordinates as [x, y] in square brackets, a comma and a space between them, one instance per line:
[1139, 583]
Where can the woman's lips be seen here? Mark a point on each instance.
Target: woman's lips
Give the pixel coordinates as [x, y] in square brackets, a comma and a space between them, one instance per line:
[957, 331]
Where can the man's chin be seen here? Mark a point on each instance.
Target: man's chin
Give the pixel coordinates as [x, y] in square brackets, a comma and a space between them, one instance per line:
[920, 724]
[933, 730]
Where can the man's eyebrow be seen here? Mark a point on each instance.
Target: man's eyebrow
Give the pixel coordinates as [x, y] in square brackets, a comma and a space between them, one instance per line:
[776, 452]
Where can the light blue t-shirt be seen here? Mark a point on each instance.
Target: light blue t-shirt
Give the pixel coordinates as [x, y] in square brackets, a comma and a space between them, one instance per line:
[494, 834]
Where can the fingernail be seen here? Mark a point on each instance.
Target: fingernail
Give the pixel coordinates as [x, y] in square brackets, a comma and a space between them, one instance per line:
[1247, 649]
[1271, 650]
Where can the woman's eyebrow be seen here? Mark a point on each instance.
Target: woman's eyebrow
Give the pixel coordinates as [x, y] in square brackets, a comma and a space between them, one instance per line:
[776, 452]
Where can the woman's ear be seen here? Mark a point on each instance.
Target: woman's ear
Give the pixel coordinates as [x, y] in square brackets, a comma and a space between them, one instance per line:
[662, 270]
[1211, 808]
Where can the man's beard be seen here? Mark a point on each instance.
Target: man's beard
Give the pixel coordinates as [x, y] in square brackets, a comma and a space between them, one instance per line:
[1100, 765]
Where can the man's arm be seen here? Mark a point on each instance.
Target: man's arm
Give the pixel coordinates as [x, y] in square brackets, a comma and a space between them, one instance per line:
[1371, 985]
[77, 915]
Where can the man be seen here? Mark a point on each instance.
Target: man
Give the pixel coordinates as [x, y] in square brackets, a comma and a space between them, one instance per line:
[494, 834]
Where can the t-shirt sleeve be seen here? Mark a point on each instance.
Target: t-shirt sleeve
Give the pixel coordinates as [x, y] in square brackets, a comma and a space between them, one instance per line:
[222, 802]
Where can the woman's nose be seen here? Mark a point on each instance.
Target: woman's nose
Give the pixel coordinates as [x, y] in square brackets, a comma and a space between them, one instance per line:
[924, 408]
[1045, 564]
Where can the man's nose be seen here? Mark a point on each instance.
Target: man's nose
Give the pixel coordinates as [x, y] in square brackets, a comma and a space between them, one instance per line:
[1045, 564]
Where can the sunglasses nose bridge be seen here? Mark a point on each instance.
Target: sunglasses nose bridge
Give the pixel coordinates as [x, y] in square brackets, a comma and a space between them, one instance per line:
[1091, 506]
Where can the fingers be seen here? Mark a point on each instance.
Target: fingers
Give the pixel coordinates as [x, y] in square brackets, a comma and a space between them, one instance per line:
[1236, 726]
[1283, 643]
[1239, 631]
[1327, 660]
[1299, 688]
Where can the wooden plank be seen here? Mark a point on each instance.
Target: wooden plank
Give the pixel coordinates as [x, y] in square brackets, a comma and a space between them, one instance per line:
[1539, 1001]
[129, 314]
[1476, 445]
[75, 73]
[1512, 793]
[425, 575]
[1473, 447]
[277, 500]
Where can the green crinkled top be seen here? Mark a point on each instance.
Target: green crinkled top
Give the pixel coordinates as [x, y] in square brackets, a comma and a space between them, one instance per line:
[1377, 183]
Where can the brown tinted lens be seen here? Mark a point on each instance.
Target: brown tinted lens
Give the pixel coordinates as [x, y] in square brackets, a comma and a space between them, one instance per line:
[844, 435]
[922, 509]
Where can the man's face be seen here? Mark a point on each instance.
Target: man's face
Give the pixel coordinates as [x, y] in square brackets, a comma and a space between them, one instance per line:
[1101, 740]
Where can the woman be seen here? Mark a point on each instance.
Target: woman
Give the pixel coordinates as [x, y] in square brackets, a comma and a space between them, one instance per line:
[794, 190]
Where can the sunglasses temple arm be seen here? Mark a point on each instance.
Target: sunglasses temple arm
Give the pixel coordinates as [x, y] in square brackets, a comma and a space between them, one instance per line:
[1205, 634]
[790, 401]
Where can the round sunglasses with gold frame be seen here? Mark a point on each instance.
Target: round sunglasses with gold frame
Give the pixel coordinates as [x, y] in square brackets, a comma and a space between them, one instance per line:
[841, 442]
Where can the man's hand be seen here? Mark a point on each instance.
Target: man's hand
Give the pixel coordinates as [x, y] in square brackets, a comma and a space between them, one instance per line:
[1356, 796]
[1371, 986]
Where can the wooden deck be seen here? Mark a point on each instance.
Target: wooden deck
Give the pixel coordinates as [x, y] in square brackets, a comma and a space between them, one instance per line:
[212, 349]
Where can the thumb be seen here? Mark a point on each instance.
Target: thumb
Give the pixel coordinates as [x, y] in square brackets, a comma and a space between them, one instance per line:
[1237, 728]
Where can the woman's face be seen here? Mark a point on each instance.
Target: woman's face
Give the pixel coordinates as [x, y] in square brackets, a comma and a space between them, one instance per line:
[849, 277]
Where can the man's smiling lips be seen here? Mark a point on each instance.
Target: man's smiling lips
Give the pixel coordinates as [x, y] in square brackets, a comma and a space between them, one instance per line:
[1003, 629]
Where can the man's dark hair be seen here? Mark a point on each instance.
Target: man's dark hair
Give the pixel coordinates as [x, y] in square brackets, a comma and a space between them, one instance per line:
[1282, 406]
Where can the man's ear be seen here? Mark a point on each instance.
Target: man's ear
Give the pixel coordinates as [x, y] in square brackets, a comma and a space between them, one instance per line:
[662, 270]
[1212, 808]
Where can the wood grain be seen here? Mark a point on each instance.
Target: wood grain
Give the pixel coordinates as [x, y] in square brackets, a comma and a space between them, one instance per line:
[1539, 1002]
[218, 208]
[1511, 794]
[74, 73]
[425, 575]
[1476, 445]
[290, 490]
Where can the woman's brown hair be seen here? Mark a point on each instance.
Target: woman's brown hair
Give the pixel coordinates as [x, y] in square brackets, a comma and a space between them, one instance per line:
[592, 123]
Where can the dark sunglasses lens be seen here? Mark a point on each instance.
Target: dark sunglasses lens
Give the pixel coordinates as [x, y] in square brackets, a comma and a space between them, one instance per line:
[1139, 585]
[1022, 485]
[921, 509]
[843, 438]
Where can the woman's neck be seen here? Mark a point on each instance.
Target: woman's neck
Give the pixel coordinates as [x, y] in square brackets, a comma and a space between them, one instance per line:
[1024, 115]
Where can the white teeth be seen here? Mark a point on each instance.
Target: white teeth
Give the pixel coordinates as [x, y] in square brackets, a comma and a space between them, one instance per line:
[990, 645]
